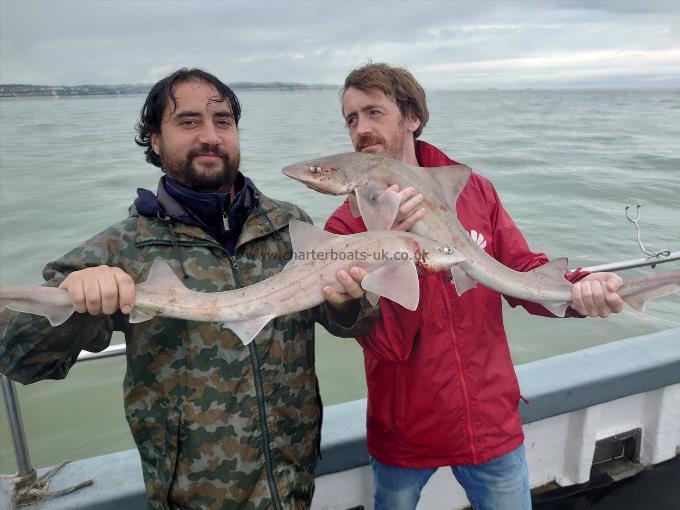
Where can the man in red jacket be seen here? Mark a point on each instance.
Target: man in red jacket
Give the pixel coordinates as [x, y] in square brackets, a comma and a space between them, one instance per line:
[442, 390]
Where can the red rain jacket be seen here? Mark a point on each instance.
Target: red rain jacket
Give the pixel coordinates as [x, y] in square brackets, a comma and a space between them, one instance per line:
[442, 389]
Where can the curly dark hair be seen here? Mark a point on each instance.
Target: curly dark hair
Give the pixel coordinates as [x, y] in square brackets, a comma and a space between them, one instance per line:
[160, 95]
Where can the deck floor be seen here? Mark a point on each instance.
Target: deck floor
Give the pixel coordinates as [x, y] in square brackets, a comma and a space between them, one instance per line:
[656, 488]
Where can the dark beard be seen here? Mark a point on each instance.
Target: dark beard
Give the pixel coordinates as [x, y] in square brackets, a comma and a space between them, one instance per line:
[211, 182]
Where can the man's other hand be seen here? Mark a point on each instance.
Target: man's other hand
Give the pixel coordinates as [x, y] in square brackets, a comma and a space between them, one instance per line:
[352, 288]
[409, 211]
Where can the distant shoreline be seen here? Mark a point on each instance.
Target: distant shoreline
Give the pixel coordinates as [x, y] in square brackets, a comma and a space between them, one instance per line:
[24, 90]
[27, 90]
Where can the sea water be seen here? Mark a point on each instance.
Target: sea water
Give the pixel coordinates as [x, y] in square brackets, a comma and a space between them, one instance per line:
[565, 164]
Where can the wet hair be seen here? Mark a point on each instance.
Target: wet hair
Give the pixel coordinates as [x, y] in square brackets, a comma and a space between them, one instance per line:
[394, 82]
[160, 96]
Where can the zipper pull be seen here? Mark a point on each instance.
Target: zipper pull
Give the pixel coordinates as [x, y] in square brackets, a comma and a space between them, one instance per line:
[225, 220]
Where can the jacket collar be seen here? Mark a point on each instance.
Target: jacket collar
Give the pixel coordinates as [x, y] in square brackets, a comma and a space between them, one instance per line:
[428, 155]
[157, 212]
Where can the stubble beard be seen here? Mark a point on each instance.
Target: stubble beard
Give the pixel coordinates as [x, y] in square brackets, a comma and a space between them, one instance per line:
[394, 145]
[395, 148]
[203, 180]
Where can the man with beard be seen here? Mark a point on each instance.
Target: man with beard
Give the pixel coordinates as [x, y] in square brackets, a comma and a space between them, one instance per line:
[218, 425]
[441, 386]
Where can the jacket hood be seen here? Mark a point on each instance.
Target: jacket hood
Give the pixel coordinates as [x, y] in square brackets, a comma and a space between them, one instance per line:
[214, 214]
[177, 202]
[165, 217]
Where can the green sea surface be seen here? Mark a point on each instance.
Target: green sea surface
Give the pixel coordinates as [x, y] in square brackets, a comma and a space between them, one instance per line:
[565, 164]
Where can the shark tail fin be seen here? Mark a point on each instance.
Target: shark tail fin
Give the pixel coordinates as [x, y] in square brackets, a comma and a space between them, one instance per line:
[635, 293]
[48, 302]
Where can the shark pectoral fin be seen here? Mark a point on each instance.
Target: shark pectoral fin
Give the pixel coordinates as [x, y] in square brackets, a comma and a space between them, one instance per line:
[305, 237]
[372, 298]
[397, 281]
[461, 280]
[451, 180]
[248, 329]
[378, 207]
[353, 205]
[138, 315]
[557, 309]
[56, 314]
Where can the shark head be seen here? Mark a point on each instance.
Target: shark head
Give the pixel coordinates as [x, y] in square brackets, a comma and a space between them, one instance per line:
[433, 256]
[327, 175]
[338, 174]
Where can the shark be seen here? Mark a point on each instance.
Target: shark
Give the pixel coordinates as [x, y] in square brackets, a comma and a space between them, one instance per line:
[366, 178]
[392, 260]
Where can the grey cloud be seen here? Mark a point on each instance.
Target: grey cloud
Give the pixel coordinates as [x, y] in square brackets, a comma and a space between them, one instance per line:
[112, 42]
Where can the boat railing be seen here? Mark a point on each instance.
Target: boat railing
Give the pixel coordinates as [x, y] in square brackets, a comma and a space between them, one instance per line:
[633, 263]
[26, 473]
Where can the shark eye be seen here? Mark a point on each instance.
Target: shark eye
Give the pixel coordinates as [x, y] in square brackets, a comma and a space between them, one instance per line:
[447, 250]
[314, 169]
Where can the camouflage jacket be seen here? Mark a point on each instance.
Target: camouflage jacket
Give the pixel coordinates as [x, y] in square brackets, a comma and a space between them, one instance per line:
[218, 425]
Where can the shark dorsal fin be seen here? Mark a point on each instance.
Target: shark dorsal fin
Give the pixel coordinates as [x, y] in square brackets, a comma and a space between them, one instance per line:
[304, 237]
[160, 280]
[552, 272]
[451, 179]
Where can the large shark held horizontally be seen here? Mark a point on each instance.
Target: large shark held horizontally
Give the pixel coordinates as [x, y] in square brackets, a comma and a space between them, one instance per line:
[366, 177]
[392, 260]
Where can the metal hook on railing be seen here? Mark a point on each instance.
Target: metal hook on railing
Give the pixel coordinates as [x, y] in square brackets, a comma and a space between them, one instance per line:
[636, 222]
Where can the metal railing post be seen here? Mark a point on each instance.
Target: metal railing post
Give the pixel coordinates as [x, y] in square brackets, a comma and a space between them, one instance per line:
[16, 427]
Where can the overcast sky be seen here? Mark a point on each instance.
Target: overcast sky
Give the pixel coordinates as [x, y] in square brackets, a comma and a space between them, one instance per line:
[448, 45]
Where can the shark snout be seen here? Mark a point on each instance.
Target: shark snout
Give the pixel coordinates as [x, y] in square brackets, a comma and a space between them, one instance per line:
[293, 171]
[323, 177]
[305, 172]
[439, 257]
